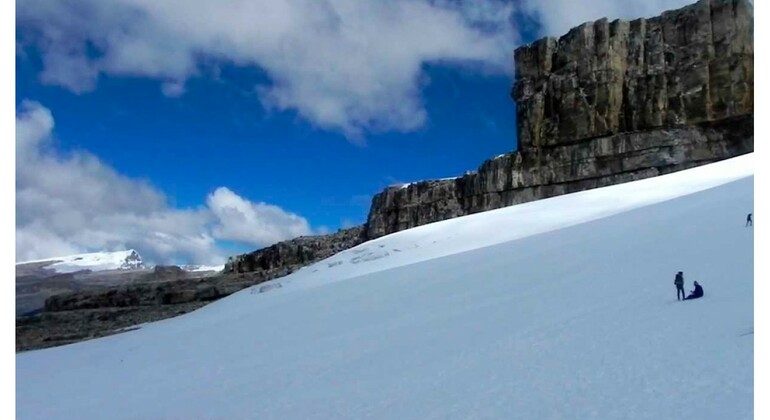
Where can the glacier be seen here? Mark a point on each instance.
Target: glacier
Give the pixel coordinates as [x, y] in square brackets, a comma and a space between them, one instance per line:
[563, 308]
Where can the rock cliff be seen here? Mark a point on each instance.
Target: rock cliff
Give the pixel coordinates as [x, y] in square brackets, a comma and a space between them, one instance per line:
[684, 67]
[285, 257]
[89, 311]
[609, 102]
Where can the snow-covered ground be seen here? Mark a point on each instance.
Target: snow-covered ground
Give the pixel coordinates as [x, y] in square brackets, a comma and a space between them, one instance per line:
[517, 222]
[559, 309]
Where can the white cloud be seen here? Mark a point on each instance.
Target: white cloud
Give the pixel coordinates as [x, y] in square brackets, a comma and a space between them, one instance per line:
[347, 65]
[559, 16]
[74, 203]
[245, 221]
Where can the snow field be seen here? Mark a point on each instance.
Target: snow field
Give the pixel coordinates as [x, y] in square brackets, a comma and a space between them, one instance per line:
[558, 309]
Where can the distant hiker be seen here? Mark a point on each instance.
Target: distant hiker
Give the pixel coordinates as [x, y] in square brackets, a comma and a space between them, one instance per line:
[695, 294]
[749, 222]
[679, 283]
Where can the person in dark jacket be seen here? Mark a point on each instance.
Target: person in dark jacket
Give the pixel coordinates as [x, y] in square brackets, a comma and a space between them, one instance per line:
[749, 222]
[679, 283]
[695, 294]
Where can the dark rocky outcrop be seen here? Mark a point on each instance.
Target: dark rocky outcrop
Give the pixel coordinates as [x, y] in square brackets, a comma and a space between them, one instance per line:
[168, 272]
[520, 177]
[35, 284]
[147, 294]
[49, 329]
[286, 257]
[98, 311]
[609, 102]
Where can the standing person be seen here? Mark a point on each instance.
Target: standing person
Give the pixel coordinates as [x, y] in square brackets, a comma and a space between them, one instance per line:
[695, 294]
[749, 222]
[679, 283]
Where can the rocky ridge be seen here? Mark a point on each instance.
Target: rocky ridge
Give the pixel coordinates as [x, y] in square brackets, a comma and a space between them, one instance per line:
[608, 102]
[286, 257]
[78, 306]
[75, 312]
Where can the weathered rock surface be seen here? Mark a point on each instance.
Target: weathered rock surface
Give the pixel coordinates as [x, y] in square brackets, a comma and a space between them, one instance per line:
[98, 311]
[34, 283]
[50, 329]
[520, 177]
[285, 257]
[685, 67]
[609, 102]
[143, 294]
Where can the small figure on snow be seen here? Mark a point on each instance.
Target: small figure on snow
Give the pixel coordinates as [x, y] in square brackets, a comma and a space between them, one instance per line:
[679, 283]
[749, 222]
[695, 294]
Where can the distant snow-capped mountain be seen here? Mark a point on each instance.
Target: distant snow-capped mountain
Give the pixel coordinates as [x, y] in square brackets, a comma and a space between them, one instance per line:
[95, 261]
[101, 261]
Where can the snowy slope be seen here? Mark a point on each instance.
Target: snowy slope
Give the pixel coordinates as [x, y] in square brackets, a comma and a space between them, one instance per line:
[504, 225]
[95, 261]
[562, 308]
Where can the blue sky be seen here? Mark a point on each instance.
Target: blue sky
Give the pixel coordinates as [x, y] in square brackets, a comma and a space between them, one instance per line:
[217, 134]
[221, 129]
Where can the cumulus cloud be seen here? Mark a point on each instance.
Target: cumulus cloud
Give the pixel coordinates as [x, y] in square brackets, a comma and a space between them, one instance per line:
[558, 16]
[245, 221]
[347, 65]
[75, 203]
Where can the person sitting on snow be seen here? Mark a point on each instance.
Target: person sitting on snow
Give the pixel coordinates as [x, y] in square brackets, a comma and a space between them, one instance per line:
[695, 294]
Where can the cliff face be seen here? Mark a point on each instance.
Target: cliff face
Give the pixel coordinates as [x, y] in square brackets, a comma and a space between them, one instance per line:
[285, 257]
[96, 310]
[609, 102]
[684, 67]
